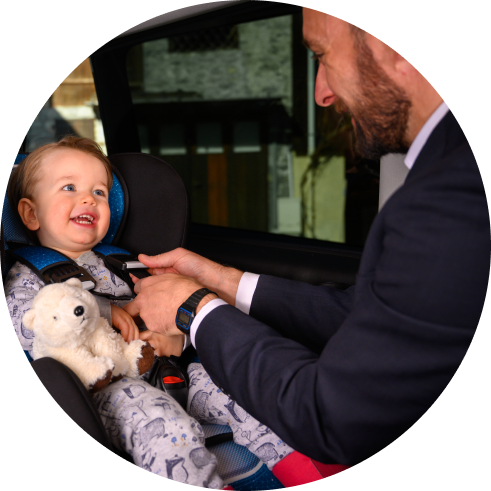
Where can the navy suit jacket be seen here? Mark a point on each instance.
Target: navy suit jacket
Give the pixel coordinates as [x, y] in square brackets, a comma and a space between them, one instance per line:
[340, 374]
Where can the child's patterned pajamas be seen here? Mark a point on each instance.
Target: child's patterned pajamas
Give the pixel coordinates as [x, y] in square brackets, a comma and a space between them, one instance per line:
[142, 420]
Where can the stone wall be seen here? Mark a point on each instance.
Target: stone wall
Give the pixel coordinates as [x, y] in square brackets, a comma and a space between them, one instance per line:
[260, 68]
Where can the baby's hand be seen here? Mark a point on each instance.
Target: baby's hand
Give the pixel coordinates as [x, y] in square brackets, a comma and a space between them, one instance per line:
[124, 323]
[164, 345]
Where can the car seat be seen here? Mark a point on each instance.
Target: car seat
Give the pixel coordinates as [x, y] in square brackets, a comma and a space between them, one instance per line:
[150, 214]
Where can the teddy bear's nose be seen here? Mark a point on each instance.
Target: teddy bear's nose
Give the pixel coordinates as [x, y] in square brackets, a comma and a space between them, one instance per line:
[79, 311]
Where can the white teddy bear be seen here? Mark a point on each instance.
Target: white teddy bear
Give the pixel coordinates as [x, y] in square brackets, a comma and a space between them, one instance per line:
[67, 326]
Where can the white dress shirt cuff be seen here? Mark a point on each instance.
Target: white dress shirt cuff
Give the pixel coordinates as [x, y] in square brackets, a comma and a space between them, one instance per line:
[202, 314]
[245, 292]
[187, 342]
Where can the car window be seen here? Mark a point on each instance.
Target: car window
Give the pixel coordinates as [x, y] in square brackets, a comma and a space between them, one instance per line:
[71, 110]
[238, 121]
[239, 124]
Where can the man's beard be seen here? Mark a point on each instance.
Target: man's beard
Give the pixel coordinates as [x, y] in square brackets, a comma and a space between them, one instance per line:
[380, 111]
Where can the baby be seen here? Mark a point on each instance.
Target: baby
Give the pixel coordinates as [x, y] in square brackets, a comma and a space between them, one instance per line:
[61, 194]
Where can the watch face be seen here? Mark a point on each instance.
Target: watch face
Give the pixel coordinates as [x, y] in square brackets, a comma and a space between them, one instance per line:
[184, 320]
[183, 317]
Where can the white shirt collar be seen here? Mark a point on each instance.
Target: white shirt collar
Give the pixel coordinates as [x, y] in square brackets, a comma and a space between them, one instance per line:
[424, 134]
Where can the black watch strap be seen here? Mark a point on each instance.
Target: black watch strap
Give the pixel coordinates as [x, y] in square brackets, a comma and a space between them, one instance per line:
[194, 300]
[187, 311]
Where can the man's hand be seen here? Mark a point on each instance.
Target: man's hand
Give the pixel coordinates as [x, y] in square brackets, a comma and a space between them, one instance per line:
[164, 345]
[158, 299]
[124, 323]
[217, 278]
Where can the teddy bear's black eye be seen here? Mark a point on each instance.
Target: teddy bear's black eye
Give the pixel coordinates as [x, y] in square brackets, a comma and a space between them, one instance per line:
[78, 311]
[55, 318]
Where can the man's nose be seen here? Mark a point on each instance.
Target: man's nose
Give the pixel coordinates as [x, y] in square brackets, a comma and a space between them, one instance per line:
[324, 96]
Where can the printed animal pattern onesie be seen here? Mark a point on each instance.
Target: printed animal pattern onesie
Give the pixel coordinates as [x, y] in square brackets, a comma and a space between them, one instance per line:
[144, 421]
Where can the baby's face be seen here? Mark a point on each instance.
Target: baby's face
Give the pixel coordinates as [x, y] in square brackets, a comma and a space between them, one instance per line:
[71, 202]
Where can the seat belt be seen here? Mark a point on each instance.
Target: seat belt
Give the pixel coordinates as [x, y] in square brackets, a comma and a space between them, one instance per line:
[121, 262]
[54, 267]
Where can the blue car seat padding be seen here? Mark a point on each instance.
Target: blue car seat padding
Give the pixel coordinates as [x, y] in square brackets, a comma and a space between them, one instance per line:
[117, 205]
[12, 228]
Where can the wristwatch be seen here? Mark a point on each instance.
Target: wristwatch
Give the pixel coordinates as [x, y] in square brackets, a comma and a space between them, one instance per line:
[187, 311]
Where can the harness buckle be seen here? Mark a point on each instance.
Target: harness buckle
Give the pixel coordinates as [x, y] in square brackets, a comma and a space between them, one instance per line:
[59, 273]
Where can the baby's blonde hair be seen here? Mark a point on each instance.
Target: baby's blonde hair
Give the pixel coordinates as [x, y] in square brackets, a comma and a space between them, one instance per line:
[26, 175]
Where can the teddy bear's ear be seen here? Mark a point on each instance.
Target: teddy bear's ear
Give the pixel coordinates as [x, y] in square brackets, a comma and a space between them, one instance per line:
[74, 282]
[28, 319]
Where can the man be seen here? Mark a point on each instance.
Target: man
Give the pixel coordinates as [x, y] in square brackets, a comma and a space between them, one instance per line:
[341, 374]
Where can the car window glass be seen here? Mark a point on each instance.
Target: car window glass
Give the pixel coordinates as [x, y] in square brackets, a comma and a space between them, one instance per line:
[71, 110]
[232, 109]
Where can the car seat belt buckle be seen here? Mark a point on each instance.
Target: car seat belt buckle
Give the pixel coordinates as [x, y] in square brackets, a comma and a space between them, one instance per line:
[120, 263]
[166, 375]
[135, 265]
[63, 272]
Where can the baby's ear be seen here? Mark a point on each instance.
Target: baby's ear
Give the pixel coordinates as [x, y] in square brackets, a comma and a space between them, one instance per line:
[27, 212]
[28, 319]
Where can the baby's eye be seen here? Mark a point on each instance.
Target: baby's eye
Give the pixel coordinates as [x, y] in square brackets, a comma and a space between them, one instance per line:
[69, 187]
[99, 192]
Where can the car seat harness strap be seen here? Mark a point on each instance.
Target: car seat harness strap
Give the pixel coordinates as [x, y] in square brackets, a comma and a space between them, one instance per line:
[54, 267]
[49, 265]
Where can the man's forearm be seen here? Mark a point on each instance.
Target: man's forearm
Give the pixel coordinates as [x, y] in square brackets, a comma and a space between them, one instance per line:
[224, 281]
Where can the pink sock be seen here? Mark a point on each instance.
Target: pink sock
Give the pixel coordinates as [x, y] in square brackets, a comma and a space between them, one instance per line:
[296, 469]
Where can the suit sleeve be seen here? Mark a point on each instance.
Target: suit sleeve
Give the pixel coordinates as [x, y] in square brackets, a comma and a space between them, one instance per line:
[284, 305]
[417, 302]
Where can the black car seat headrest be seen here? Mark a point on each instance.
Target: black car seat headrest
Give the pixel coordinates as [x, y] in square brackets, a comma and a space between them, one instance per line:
[156, 209]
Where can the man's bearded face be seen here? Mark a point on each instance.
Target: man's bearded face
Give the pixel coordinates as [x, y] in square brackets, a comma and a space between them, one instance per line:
[380, 110]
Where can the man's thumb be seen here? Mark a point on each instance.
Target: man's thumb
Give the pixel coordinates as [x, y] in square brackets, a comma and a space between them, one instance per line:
[160, 261]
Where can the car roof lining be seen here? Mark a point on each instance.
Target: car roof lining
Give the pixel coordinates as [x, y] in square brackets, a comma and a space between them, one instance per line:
[180, 14]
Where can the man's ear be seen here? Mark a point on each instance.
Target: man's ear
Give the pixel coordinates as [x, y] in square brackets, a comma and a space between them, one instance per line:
[28, 215]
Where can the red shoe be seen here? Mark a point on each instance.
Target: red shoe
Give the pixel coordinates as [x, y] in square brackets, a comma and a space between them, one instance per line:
[296, 469]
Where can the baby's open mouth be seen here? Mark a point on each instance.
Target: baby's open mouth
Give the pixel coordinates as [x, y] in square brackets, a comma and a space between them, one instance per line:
[83, 219]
